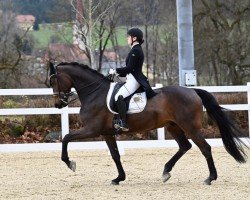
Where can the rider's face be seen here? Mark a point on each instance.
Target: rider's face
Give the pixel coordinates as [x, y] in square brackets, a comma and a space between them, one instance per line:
[130, 39]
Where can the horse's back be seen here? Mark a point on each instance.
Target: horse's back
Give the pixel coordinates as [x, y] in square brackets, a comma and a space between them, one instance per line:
[178, 101]
[178, 94]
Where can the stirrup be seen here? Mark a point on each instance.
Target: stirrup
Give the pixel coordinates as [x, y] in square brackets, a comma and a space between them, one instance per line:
[124, 129]
[119, 124]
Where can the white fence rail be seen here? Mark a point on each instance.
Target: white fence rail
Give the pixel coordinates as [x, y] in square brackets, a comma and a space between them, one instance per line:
[95, 145]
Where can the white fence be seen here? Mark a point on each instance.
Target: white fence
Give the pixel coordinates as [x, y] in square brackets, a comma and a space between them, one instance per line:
[161, 142]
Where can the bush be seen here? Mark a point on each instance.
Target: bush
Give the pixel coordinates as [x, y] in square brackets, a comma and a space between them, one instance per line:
[16, 130]
[10, 104]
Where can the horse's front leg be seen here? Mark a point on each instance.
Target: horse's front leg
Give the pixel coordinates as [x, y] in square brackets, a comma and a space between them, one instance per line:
[65, 157]
[82, 133]
[112, 145]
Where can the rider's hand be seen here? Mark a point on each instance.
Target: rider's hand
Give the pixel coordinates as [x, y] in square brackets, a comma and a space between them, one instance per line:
[112, 71]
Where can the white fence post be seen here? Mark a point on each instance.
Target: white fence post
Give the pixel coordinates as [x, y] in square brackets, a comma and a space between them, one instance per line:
[161, 133]
[158, 85]
[248, 102]
[65, 121]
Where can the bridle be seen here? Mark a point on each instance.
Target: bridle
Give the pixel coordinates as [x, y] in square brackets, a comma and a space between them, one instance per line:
[64, 96]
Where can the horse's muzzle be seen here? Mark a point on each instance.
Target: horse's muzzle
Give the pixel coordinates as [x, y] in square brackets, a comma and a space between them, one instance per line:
[58, 105]
[61, 104]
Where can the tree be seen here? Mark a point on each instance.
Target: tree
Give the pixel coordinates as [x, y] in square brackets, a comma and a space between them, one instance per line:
[162, 42]
[167, 62]
[147, 16]
[45, 11]
[107, 26]
[98, 23]
[13, 43]
[153, 38]
[36, 25]
[222, 40]
[10, 42]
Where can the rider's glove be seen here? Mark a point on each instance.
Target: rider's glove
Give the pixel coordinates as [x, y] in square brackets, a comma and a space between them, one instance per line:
[112, 71]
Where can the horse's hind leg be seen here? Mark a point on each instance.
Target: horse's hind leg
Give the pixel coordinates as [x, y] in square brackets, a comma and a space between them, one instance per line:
[205, 148]
[184, 146]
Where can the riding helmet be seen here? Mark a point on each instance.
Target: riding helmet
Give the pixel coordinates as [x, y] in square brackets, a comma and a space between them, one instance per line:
[136, 32]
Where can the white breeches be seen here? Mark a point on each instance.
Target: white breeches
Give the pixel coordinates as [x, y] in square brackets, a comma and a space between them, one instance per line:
[128, 88]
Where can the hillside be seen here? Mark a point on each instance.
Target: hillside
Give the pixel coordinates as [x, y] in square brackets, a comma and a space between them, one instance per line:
[52, 33]
[62, 33]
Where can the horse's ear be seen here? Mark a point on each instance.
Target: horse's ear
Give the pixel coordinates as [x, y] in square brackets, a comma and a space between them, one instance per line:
[52, 69]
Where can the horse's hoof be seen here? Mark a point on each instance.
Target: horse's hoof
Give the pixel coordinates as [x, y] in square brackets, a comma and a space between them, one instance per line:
[117, 180]
[72, 165]
[166, 176]
[207, 182]
[114, 182]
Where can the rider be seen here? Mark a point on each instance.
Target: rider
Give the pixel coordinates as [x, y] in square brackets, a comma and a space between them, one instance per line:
[134, 75]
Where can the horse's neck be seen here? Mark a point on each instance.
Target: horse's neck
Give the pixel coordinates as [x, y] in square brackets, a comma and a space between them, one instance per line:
[91, 90]
[89, 85]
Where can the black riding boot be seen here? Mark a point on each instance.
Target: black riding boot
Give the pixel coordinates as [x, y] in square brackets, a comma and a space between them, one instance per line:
[121, 107]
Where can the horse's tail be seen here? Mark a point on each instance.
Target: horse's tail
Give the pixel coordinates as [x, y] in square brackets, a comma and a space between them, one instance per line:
[229, 132]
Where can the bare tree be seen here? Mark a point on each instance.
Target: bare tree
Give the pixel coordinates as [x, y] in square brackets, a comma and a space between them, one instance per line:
[12, 40]
[107, 28]
[147, 16]
[168, 56]
[99, 20]
[154, 36]
[162, 39]
[222, 39]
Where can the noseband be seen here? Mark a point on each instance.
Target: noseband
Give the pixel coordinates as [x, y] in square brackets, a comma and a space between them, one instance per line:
[63, 96]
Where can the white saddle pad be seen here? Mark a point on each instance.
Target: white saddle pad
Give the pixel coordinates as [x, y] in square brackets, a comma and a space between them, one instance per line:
[136, 104]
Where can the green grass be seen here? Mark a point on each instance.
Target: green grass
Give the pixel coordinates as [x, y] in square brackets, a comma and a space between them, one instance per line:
[47, 31]
[120, 34]
[65, 35]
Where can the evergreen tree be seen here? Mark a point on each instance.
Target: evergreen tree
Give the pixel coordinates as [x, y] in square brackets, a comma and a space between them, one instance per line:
[36, 26]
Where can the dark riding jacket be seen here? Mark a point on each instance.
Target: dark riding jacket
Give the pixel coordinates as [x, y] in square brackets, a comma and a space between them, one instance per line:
[134, 62]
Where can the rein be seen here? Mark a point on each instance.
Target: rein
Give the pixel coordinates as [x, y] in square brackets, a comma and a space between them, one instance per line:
[92, 91]
[64, 96]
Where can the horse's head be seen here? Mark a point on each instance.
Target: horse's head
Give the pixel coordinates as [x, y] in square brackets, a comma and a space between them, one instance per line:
[61, 84]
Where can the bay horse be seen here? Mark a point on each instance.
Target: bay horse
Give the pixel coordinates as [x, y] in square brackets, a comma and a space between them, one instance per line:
[179, 109]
